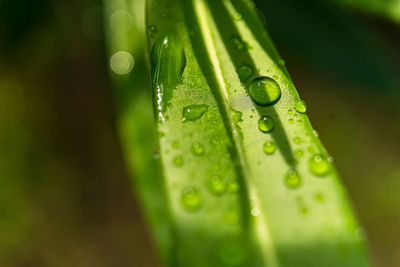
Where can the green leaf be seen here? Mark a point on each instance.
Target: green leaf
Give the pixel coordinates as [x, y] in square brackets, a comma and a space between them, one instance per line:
[388, 9]
[247, 181]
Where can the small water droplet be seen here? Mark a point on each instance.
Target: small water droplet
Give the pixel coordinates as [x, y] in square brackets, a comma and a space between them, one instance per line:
[193, 112]
[237, 16]
[176, 144]
[297, 140]
[245, 72]
[319, 197]
[291, 121]
[255, 212]
[290, 111]
[292, 179]
[233, 187]
[216, 185]
[281, 62]
[191, 199]
[265, 124]
[237, 116]
[238, 43]
[197, 149]
[215, 166]
[299, 153]
[269, 147]
[153, 28]
[300, 106]
[299, 122]
[265, 91]
[156, 155]
[319, 165]
[178, 161]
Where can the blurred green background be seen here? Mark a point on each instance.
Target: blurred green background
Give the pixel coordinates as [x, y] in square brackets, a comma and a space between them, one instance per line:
[66, 198]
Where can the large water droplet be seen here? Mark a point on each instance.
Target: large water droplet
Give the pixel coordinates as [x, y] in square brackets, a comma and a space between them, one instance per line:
[245, 72]
[300, 106]
[167, 64]
[197, 149]
[265, 91]
[269, 147]
[319, 165]
[292, 179]
[216, 185]
[191, 199]
[265, 124]
[193, 112]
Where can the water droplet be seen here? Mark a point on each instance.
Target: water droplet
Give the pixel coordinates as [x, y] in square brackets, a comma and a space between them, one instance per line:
[176, 144]
[299, 122]
[290, 111]
[167, 65]
[153, 28]
[245, 72]
[281, 62]
[193, 112]
[215, 166]
[238, 43]
[297, 140]
[237, 116]
[216, 185]
[292, 179]
[191, 199]
[156, 155]
[237, 16]
[319, 197]
[300, 106]
[265, 124]
[178, 161]
[121, 62]
[197, 149]
[269, 147]
[299, 153]
[319, 165]
[264, 91]
[255, 212]
[233, 187]
[291, 121]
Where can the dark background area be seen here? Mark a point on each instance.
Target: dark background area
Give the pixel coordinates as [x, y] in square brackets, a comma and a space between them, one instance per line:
[66, 198]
